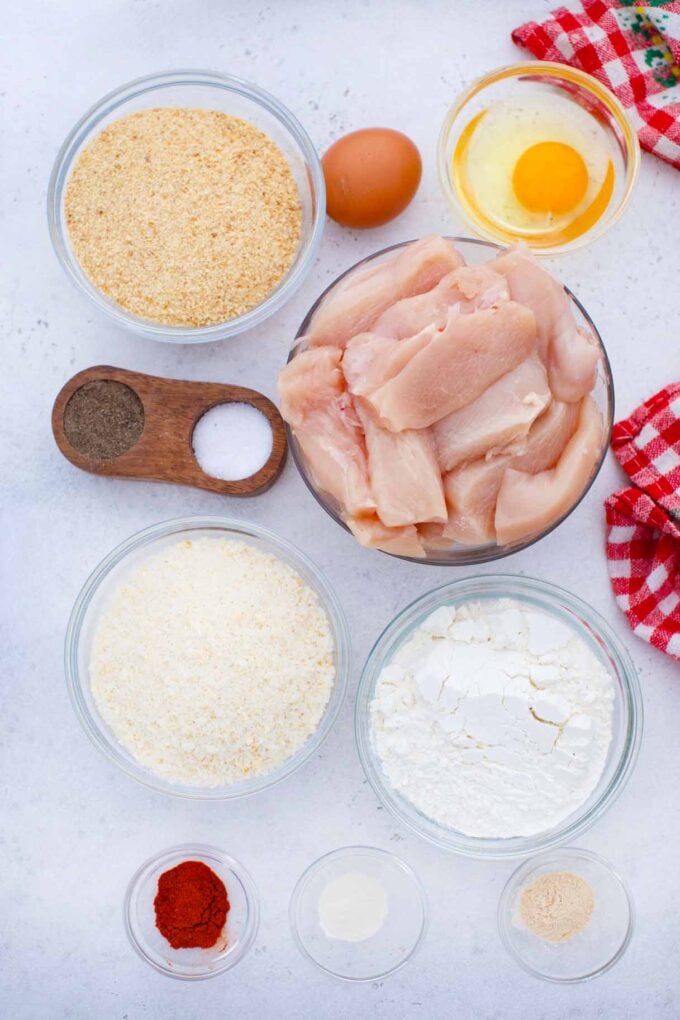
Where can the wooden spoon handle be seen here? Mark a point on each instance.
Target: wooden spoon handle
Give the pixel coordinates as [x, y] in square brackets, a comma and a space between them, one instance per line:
[164, 452]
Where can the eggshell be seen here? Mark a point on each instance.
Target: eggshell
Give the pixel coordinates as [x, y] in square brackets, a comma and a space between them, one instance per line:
[371, 176]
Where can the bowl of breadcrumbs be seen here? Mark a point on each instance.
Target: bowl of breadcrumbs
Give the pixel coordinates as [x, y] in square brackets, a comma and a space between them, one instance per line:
[188, 206]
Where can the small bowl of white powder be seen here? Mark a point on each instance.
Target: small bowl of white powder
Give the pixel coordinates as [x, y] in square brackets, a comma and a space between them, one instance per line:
[359, 913]
[498, 716]
[207, 657]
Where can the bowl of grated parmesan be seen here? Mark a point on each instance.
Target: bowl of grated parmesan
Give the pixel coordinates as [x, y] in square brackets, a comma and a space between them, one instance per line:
[207, 657]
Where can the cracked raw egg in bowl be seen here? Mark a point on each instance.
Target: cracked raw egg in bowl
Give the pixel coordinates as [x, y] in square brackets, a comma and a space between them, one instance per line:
[538, 152]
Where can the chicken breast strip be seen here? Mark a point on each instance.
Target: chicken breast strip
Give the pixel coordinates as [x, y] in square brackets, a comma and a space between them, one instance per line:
[528, 503]
[318, 408]
[456, 366]
[569, 353]
[354, 306]
[468, 289]
[471, 490]
[500, 416]
[405, 478]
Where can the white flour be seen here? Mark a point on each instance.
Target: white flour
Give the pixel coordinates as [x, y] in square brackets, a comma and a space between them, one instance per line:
[494, 719]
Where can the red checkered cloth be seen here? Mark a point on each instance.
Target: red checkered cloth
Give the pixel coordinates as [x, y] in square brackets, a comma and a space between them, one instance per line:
[643, 521]
[633, 49]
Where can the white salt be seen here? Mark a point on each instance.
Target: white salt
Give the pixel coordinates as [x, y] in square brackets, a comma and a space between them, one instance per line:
[232, 441]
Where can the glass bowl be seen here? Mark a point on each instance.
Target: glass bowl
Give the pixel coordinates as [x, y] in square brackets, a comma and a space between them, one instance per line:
[384, 952]
[526, 81]
[105, 579]
[474, 252]
[191, 964]
[591, 628]
[594, 950]
[216, 92]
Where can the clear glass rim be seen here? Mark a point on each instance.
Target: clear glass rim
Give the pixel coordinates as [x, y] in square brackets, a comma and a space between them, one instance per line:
[349, 851]
[482, 554]
[113, 751]
[549, 69]
[155, 82]
[499, 586]
[518, 877]
[218, 856]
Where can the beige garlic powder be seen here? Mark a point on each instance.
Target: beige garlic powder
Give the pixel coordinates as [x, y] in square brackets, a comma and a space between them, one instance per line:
[557, 906]
[185, 217]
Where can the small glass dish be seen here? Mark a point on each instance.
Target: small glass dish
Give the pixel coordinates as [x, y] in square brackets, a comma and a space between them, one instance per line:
[192, 964]
[474, 252]
[383, 953]
[189, 88]
[602, 641]
[594, 950]
[104, 580]
[526, 81]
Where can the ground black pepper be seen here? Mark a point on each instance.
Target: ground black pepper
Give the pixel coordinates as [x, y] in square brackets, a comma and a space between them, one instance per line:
[103, 419]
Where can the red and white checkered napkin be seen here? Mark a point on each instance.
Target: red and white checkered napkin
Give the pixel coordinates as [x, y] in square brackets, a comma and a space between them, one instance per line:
[632, 48]
[643, 521]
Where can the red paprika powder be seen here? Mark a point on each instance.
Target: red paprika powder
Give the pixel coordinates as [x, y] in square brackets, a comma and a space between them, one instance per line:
[191, 906]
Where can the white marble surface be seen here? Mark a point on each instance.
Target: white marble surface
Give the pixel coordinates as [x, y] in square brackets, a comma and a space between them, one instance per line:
[73, 829]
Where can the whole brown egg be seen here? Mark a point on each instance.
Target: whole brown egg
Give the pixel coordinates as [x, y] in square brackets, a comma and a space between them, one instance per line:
[371, 176]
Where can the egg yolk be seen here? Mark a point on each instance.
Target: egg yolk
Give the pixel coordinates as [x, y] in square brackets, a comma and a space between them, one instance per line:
[550, 177]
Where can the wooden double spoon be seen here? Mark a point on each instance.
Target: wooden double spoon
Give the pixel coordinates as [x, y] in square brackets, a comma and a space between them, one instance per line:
[163, 452]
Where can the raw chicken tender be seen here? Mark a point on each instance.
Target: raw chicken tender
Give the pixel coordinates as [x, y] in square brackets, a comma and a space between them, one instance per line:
[570, 354]
[405, 479]
[432, 535]
[410, 315]
[472, 490]
[319, 410]
[370, 360]
[459, 363]
[482, 287]
[503, 414]
[470, 288]
[355, 305]
[373, 534]
[548, 438]
[529, 503]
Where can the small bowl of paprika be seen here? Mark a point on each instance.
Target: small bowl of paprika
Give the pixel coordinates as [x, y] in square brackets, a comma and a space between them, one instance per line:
[191, 912]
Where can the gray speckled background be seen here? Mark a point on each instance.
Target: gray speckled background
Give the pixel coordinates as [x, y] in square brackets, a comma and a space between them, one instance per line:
[73, 829]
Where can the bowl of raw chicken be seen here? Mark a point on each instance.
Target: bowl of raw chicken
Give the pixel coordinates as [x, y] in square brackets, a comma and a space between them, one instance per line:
[448, 400]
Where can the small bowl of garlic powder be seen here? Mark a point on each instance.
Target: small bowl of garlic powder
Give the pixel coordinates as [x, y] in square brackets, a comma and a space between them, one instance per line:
[207, 657]
[188, 206]
[566, 916]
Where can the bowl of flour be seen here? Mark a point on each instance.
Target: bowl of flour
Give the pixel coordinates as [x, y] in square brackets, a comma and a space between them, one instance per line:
[498, 716]
[207, 657]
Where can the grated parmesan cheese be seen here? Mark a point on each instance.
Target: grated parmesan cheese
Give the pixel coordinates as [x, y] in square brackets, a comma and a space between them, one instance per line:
[213, 662]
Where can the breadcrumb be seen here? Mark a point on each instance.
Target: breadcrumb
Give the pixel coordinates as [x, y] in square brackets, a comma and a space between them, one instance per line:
[185, 217]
